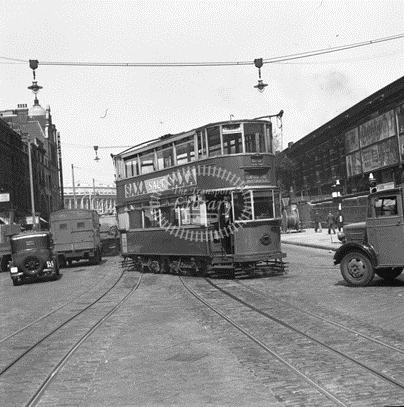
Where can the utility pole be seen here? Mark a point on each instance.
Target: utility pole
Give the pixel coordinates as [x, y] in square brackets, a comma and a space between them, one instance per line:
[62, 194]
[93, 193]
[74, 189]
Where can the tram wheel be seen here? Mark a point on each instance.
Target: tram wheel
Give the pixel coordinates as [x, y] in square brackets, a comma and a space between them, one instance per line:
[154, 266]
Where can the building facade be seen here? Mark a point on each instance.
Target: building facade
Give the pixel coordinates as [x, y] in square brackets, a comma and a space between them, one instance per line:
[36, 123]
[14, 178]
[100, 197]
[367, 138]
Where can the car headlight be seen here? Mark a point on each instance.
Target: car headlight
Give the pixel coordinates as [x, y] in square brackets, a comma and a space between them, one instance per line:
[341, 237]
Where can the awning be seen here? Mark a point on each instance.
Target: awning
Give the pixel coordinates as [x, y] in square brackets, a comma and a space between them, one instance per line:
[28, 220]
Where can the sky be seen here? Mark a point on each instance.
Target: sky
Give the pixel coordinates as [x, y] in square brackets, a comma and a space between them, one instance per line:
[118, 107]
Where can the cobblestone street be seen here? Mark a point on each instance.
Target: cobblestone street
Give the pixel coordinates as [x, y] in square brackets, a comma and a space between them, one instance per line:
[164, 347]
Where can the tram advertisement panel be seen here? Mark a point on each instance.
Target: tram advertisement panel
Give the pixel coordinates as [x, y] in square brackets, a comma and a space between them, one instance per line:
[230, 172]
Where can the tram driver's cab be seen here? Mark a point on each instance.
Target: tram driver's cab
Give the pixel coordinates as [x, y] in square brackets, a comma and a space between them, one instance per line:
[243, 222]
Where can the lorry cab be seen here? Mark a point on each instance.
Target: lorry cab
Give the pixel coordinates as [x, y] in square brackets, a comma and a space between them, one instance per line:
[375, 246]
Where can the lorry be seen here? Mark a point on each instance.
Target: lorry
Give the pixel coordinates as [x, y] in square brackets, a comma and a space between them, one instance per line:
[109, 235]
[375, 246]
[76, 235]
[6, 231]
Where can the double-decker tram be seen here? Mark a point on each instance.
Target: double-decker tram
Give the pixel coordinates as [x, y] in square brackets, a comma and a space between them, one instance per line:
[202, 202]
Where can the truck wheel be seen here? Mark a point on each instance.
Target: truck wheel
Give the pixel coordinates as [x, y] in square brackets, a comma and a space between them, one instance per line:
[389, 273]
[356, 269]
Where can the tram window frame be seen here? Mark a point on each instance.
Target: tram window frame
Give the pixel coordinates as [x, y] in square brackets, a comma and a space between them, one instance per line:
[185, 150]
[151, 218]
[258, 199]
[135, 218]
[254, 138]
[252, 196]
[202, 144]
[165, 160]
[123, 219]
[269, 137]
[214, 141]
[131, 167]
[191, 211]
[147, 162]
[168, 214]
[228, 138]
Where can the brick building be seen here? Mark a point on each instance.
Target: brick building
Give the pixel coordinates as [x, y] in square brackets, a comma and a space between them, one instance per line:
[14, 179]
[36, 123]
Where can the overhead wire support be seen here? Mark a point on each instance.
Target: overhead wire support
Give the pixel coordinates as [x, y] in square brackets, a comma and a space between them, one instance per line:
[278, 59]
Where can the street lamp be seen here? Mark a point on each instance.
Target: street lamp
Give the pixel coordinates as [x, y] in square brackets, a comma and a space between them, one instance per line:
[261, 85]
[74, 189]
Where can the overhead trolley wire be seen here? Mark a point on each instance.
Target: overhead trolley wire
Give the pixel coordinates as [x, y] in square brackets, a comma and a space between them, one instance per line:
[283, 58]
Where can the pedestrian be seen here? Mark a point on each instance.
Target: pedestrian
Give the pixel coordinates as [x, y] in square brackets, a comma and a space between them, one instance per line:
[331, 222]
[317, 222]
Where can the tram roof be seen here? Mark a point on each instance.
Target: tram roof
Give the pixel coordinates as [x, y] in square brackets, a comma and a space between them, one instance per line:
[138, 148]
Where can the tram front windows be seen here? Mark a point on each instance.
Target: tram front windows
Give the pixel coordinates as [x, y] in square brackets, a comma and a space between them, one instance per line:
[255, 205]
[254, 138]
[263, 205]
[232, 143]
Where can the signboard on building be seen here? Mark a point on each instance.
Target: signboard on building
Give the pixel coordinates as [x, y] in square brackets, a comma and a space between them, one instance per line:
[4, 201]
[372, 145]
[4, 197]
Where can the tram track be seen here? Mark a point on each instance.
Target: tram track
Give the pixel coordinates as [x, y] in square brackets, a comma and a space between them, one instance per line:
[47, 343]
[341, 376]
[325, 320]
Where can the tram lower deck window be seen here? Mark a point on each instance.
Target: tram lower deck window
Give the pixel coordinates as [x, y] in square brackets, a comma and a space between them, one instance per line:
[263, 205]
[256, 205]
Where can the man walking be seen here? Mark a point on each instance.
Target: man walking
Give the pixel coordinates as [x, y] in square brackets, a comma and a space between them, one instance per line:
[317, 222]
[331, 222]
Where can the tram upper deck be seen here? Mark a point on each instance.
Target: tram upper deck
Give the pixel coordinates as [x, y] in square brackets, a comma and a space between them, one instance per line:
[242, 147]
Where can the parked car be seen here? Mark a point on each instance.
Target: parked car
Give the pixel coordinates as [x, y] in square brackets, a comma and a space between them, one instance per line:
[32, 256]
